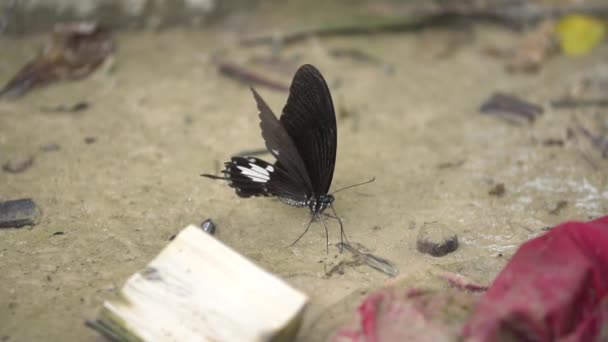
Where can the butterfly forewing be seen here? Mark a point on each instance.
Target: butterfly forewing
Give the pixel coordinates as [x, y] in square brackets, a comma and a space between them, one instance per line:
[310, 121]
[294, 182]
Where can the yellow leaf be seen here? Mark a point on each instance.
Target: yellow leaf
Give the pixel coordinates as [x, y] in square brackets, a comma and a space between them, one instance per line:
[579, 34]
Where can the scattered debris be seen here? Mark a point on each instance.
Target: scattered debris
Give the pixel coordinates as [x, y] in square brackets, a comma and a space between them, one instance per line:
[436, 239]
[511, 14]
[50, 147]
[361, 253]
[450, 164]
[497, 190]
[360, 56]
[534, 49]
[19, 213]
[597, 141]
[574, 103]
[341, 266]
[561, 204]
[77, 107]
[461, 282]
[249, 77]
[7, 13]
[18, 165]
[553, 142]
[208, 226]
[90, 140]
[510, 107]
[73, 52]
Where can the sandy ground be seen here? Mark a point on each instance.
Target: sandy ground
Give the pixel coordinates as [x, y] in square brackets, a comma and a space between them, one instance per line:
[162, 115]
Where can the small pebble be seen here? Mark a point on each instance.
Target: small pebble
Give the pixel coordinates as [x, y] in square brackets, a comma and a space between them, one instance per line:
[208, 226]
[18, 165]
[50, 147]
[19, 213]
[436, 239]
[498, 190]
[90, 140]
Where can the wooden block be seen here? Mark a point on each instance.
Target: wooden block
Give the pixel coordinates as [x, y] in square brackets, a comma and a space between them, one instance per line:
[198, 289]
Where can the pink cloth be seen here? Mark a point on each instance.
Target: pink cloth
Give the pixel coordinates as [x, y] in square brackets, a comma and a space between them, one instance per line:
[555, 288]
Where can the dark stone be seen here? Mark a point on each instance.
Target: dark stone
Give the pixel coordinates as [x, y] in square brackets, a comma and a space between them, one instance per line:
[208, 226]
[19, 213]
[90, 140]
[498, 190]
[18, 165]
[436, 239]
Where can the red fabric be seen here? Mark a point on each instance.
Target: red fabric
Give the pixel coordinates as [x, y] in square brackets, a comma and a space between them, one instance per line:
[555, 288]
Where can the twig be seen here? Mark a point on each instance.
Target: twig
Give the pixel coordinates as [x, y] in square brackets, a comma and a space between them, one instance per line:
[571, 103]
[514, 16]
[249, 77]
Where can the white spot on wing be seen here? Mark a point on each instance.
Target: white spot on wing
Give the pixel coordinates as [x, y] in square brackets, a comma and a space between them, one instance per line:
[275, 152]
[259, 170]
[253, 175]
[270, 168]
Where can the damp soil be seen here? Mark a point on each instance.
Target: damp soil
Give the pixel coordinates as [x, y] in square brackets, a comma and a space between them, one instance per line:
[125, 175]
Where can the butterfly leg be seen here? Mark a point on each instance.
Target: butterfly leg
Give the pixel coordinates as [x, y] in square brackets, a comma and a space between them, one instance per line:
[342, 232]
[305, 230]
[326, 232]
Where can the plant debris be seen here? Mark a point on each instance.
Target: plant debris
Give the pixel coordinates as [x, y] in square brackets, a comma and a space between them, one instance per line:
[362, 57]
[561, 204]
[497, 190]
[534, 49]
[73, 51]
[18, 165]
[573, 103]
[510, 107]
[76, 107]
[365, 257]
[249, 77]
[598, 141]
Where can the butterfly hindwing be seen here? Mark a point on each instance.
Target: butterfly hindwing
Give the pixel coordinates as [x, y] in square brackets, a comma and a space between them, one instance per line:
[251, 176]
[310, 121]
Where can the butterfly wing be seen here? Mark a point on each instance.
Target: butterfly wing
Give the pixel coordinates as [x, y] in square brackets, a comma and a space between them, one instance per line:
[310, 121]
[251, 177]
[291, 182]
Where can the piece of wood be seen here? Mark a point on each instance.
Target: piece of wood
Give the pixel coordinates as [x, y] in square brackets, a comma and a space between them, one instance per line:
[198, 289]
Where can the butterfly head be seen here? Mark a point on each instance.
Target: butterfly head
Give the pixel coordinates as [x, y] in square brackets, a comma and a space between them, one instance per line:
[317, 205]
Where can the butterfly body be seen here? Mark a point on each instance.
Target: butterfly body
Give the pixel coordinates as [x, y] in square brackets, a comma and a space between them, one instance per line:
[303, 141]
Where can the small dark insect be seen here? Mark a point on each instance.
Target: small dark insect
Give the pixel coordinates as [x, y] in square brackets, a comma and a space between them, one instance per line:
[208, 226]
[303, 142]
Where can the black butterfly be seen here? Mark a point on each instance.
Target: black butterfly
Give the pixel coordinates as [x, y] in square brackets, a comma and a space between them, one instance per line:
[303, 141]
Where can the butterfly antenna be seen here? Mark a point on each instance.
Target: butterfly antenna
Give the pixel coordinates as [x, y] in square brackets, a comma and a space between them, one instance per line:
[354, 185]
[305, 230]
[342, 232]
[326, 233]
